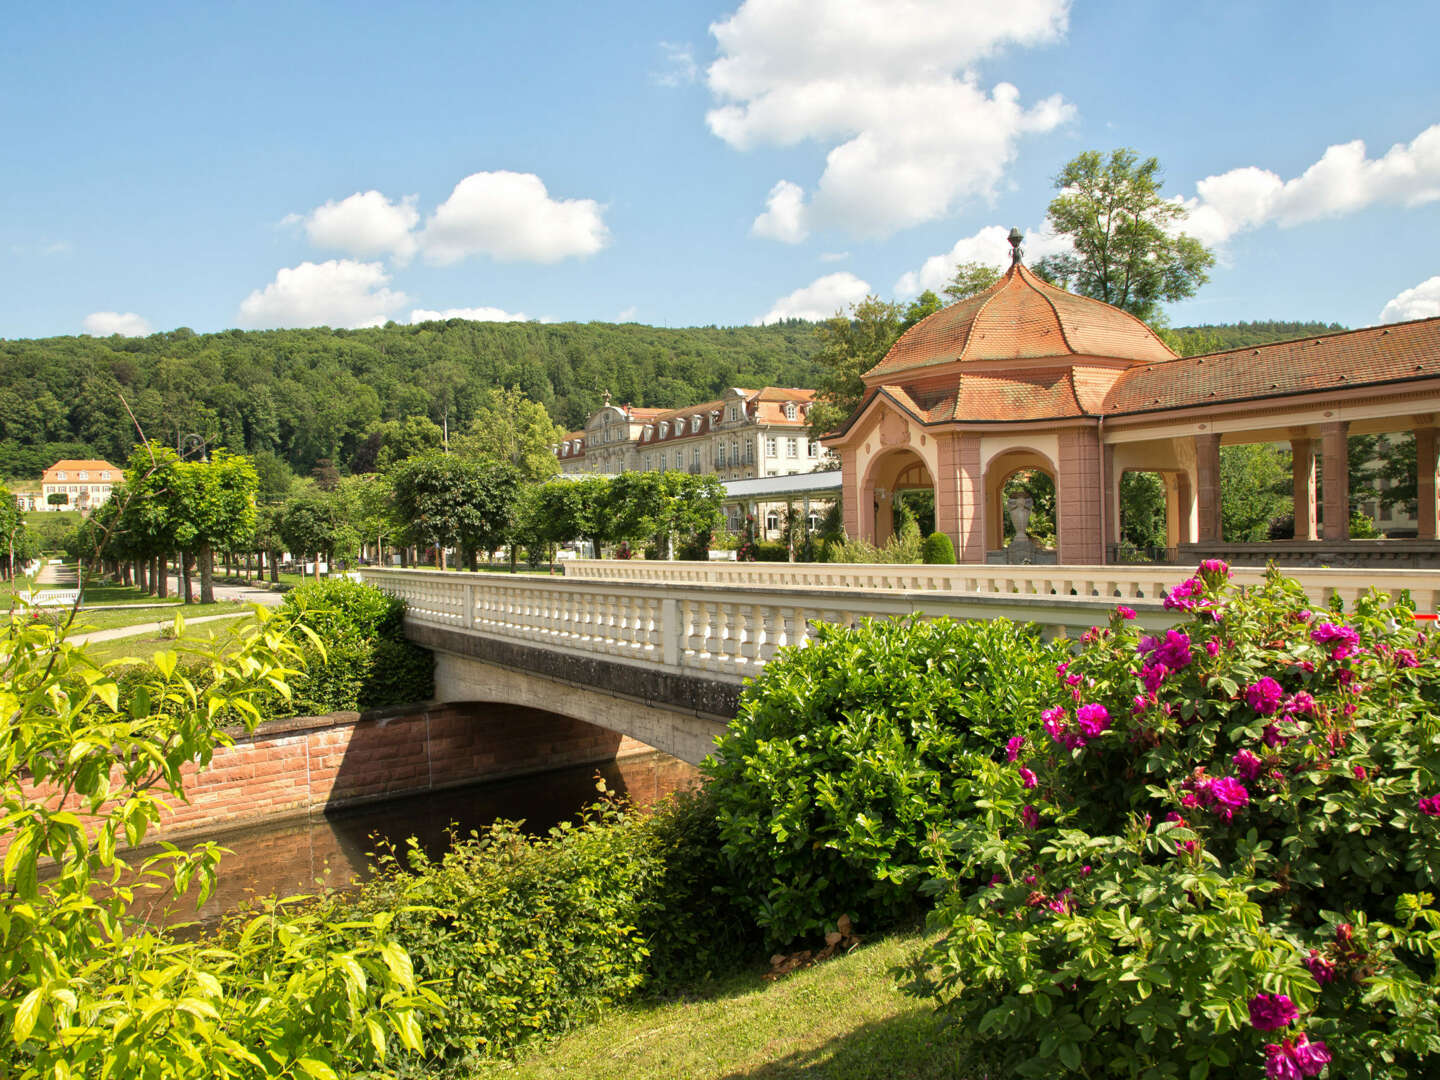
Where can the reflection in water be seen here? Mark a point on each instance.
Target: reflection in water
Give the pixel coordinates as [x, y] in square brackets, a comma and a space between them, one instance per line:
[304, 854]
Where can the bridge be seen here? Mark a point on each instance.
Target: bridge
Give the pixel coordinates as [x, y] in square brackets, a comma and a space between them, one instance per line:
[659, 651]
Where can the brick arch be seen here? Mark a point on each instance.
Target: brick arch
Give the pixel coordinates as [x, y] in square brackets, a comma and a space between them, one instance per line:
[900, 468]
[998, 471]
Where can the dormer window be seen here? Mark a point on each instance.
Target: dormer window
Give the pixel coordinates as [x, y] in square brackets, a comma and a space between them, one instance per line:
[695, 423]
[84, 474]
[680, 426]
[731, 413]
[714, 417]
[664, 429]
[59, 476]
[790, 410]
[649, 431]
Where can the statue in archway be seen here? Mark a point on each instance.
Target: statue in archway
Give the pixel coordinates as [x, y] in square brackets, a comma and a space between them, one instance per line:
[1019, 507]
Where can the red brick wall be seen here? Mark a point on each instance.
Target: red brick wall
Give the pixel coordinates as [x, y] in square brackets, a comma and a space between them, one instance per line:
[293, 767]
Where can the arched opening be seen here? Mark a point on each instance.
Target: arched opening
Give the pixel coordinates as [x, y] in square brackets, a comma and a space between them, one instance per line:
[1020, 486]
[900, 487]
[1149, 510]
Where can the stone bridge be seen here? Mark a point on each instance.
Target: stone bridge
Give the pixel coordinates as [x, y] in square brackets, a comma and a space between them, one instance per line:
[660, 651]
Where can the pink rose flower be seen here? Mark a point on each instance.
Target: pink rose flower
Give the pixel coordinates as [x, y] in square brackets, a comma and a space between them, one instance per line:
[1125, 612]
[1092, 719]
[1027, 777]
[1013, 746]
[1264, 696]
[1030, 817]
[1247, 765]
[1269, 1012]
[1430, 806]
[1212, 648]
[1321, 969]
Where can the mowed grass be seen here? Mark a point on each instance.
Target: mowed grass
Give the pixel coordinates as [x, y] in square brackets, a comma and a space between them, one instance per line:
[142, 647]
[845, 1019]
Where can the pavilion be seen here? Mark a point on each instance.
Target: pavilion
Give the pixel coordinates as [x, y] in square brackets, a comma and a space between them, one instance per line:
[1028, 376]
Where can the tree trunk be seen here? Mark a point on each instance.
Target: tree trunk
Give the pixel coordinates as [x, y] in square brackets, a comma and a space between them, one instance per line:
[140, 582]
[186, 562]
[440, 556]
[207, 574]
[274, 558]
[162, 586]
[317, 566]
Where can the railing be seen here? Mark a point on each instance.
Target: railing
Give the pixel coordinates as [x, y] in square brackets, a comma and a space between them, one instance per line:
[713, 629]
[1128, 583]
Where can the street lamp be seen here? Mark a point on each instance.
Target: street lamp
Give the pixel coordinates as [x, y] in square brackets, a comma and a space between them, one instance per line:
[185, 445]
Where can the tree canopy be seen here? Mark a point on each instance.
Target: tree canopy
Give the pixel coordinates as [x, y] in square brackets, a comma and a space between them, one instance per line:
[1127, 249]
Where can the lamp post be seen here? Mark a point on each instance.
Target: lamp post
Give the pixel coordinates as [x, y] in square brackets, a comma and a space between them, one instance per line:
[185, 445]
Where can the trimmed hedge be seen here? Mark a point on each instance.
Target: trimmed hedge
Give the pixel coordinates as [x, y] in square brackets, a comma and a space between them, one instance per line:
[938, 550]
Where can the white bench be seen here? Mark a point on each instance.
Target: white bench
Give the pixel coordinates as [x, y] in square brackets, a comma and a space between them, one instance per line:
[54, 598]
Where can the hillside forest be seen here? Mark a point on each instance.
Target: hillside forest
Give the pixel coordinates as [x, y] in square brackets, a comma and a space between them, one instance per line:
[317, 397]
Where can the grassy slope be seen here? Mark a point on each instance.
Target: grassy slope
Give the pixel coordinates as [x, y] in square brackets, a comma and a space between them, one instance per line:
[144, 646]
[842, 1020]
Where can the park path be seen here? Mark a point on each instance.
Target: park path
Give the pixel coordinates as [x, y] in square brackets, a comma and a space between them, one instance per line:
[141, 629]
[61, 574]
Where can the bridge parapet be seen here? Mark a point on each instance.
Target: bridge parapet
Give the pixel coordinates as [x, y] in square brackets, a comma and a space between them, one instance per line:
[715, 630]
[1127, 583]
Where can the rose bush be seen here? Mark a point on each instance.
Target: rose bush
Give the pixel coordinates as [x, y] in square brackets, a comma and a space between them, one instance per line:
[1218, 856]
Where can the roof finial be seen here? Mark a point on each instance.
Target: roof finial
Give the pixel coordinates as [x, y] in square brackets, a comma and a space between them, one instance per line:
[1016, 236]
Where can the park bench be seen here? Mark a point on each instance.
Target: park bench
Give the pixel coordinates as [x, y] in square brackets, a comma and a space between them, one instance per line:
[54, 597]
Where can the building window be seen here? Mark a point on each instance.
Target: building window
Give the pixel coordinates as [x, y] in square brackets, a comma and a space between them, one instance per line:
[720, 456]
[789, 410]
[770, 447]
[695, 458]
[772, 521]
[59, 476]
[749, 452]
[792, 447]
[730, 413]
[84, 474]
[734, 452]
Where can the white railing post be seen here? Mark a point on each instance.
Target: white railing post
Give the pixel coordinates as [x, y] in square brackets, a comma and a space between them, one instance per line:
[670, 630]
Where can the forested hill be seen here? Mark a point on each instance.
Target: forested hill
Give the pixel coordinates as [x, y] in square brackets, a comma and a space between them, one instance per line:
[1195, 340]
[308, 395]
[313, 394]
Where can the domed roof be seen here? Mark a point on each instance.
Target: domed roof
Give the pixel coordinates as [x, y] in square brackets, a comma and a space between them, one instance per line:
[1022, 318]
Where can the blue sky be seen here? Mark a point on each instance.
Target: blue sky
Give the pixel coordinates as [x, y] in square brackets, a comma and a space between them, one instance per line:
[681, 163]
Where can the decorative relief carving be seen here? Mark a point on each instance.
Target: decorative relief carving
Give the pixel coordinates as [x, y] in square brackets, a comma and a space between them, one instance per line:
[894, 431]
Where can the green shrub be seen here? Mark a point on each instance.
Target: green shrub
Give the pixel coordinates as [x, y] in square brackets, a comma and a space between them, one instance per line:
[938, 550]
[526, 937]
[843, 761]
[771, 551]
[1221, 854]
[367, 662]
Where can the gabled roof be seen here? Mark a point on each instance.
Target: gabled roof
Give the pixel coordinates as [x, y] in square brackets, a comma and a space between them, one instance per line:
[1021, 317]
[1374, 355]
[70, 465]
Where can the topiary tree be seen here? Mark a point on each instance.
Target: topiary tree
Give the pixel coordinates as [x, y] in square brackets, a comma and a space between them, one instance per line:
[1220, 855]
[840, 766]
[938, 550]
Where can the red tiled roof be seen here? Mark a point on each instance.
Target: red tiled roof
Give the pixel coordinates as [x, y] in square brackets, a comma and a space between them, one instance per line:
[1021, 317]
[70, 465]
[1377, 354]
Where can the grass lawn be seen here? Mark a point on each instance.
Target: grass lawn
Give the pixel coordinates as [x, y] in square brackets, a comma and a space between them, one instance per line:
[841, 1020]
[139, 616]
[143, 646]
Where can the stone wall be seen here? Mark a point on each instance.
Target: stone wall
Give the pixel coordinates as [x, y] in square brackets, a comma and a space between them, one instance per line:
[304, 765]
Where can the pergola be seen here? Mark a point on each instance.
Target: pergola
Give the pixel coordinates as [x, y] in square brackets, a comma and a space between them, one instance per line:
[1029, 376]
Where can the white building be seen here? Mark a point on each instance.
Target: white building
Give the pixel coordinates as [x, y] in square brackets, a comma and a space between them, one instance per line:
[77, 485]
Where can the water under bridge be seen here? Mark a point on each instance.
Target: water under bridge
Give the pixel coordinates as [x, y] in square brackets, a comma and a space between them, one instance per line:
[659, 651]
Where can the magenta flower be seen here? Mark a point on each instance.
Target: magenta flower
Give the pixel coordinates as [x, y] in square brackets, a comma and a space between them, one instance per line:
[1125, 612]
[1184, 597]
[1174, 651]
[1311, 1057]
[1321, 969]
[1274, 738]
[1406, 658]
[1061, 668]
[1228, 794]
[1215, 568]
[1269, 1012]
[1027, 777]
[1030, 817]
[1304, 615]
[1279, 1065]
[1212, 648]
[1300, 703]
[1248, 765]
[1360, 773]
[1334, 634]
[1151, 676]
[1264, 696]
[1086, 870]
[1147, 644]
[1092, 720]
[1013, 746]
[1431, 806]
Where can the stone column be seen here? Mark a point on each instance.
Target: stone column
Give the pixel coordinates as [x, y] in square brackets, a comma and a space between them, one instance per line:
[970, 493]
[1207, 483]
[1302, 453]
[1427, 466]
[1111, 491]
[884, 516]
[1335, 460]
[1079, 505]
[850, 495]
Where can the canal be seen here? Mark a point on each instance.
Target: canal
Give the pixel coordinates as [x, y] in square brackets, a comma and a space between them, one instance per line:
[332, 850]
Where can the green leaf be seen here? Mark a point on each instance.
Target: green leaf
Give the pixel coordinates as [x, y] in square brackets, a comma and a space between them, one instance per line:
[317, 1068]
[27, 1014]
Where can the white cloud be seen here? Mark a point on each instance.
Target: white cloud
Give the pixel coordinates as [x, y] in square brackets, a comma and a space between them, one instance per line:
[784, 216]
[1343, 181]
[1421, 302]
[990, 246]
[105, 323]
[475, 314]
[680, 68]
[338, 292]
[511, 217]
[819, 300]
[834, 256]
[885, 83]
[366, 223]
[628, 315]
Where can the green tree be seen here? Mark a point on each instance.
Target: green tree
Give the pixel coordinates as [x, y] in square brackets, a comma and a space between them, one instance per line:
[970, 278]
[850, 345]
[509, 427]
[309, 525]
[442, 501]
[215, 510]
[1126, 250]
[1255, 489]
[923, 306]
